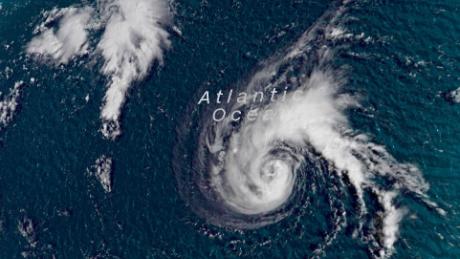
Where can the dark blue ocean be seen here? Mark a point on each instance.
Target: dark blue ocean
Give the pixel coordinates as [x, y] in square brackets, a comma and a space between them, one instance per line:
[400, 59]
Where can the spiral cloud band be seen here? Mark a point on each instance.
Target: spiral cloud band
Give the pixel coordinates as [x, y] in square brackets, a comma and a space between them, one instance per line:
[254, 171]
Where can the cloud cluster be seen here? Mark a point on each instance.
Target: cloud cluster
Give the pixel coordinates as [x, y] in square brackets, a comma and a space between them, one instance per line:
[133, 39]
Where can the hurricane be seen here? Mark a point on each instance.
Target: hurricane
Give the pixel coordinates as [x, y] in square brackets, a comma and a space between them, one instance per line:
[299, 154]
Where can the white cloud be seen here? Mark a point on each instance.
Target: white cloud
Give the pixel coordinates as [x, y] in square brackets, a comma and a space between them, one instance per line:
[69, 40]
[133, 39]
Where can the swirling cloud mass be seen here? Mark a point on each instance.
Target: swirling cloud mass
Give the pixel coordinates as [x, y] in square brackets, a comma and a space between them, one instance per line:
[254, 172]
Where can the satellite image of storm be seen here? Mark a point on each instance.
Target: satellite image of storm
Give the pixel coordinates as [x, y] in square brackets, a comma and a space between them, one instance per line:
[227, 129]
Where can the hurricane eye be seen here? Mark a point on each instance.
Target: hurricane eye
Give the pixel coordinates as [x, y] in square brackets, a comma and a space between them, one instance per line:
[269, 173]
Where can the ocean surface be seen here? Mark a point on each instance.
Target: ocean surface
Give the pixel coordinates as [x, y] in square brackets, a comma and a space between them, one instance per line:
[395, 59]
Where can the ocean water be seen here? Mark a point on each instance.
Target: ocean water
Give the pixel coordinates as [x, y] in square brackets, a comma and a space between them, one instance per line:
[394, 59]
